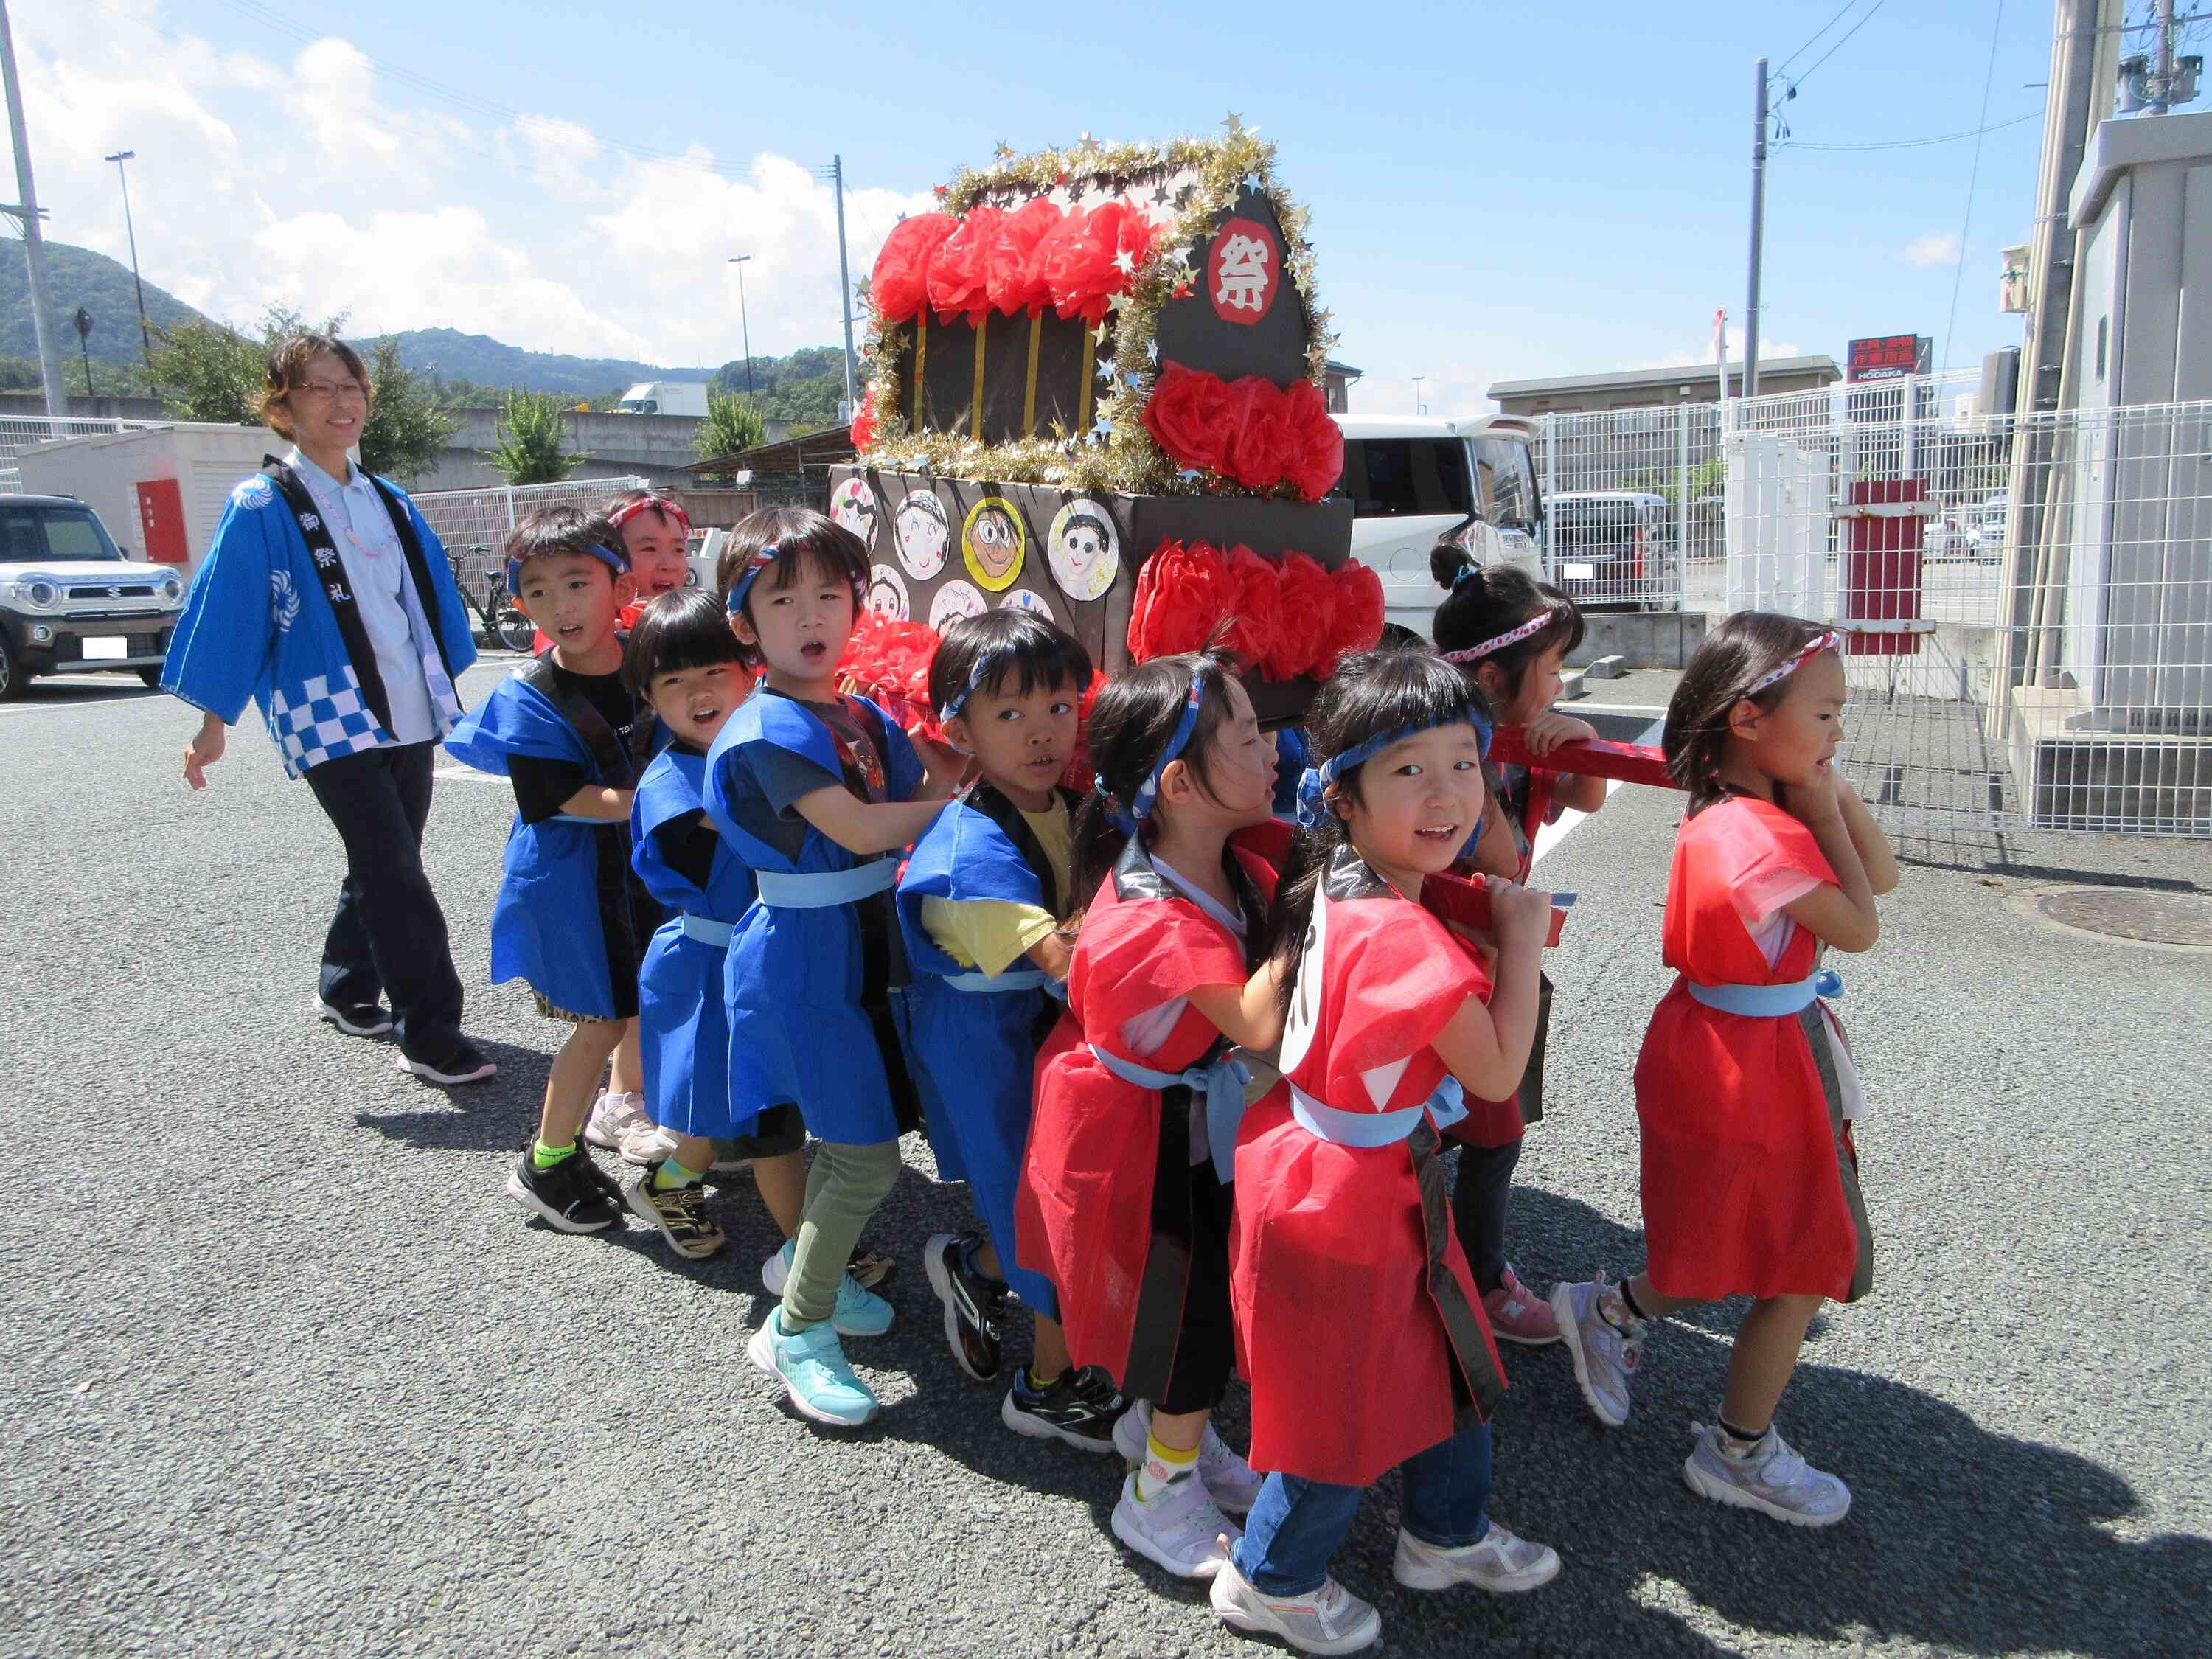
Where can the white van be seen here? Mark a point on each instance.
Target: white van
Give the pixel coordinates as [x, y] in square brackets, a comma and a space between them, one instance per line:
[1415, 480]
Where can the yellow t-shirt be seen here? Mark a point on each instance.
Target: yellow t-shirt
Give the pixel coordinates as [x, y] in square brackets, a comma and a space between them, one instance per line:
[993, 934]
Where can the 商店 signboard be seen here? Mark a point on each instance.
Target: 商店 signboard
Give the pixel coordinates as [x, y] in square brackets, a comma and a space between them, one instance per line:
[1888, 357]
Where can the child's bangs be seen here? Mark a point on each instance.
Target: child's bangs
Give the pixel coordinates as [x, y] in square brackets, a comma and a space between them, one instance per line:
[805, 563]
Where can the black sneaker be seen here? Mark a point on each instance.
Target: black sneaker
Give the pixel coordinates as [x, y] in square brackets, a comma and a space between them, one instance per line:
[370, 1019]
[566, 1196]
[466, 1064]
[1079, 1409]
[975, 1307]
[604, 1184]
[680, 1212]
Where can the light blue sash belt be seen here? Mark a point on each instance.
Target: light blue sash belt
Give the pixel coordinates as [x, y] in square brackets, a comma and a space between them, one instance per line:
[1023, 979]
[1449, 1104]
[706, 929]
[821, 889]
[1769, 1001]
[588, 823]
[1222, 1084]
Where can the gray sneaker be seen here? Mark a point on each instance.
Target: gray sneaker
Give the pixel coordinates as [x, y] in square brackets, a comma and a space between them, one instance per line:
[1773, 1480]
[1500, 1563]
[1605, 1358]
[1330, 1620]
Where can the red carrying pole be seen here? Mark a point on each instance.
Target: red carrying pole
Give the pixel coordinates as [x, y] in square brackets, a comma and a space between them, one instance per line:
[1624, 763]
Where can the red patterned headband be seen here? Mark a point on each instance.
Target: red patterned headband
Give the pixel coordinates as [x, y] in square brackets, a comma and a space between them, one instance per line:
[1535, 624]
[660, 504]
[1812, 648]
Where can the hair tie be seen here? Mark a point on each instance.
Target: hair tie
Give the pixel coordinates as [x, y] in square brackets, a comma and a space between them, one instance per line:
[1470, 568]
[1812, 648]
[1314, 782]
[613, 558]
[987, 664]
[1122, 821]
[1535, 624]
[759, 562]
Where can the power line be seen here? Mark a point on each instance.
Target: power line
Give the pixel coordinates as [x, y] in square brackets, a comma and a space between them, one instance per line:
[1959, 272]
[1840, 44]
[1916, 144]
[1817, 33]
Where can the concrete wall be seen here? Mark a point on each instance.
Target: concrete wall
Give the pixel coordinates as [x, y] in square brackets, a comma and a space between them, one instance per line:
[89, 409]
[658, 445]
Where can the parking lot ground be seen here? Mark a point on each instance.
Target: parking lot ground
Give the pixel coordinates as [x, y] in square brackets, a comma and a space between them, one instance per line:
[289, 1373]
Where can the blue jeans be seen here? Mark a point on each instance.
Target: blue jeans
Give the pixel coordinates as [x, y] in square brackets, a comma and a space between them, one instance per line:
[1297, 1524]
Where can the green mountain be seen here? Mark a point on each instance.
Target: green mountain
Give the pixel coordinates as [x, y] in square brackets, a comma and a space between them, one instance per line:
[78, 277]
[481, 361]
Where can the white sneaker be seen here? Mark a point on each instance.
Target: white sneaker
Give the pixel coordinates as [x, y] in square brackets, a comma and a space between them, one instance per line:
[1177, 1528]
[1330, 1620]
[1230, 1482]
[1774, 1481]
[1500, 1563]
[619, 1124]
[1605, 1358]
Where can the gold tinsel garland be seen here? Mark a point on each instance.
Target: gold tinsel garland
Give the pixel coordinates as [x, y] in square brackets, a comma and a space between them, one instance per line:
[1124, 458]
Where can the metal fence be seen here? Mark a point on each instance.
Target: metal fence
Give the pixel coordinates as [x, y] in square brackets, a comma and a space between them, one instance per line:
[2027, 599]
[473, 524]
[21, 432]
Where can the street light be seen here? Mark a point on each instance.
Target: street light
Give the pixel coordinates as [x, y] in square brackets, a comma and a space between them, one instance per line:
[145, 334]
[744, 322]
[1419, 408]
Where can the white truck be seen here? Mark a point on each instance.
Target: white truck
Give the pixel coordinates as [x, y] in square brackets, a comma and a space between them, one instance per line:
[665, 397]
[1415, 480]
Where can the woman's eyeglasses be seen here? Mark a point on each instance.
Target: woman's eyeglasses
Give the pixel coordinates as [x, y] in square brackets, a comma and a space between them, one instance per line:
[331, 391]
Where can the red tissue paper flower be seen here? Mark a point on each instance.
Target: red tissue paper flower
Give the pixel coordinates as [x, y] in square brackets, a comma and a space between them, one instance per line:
[1313, 458]
[1079, 769]
[901, 281]
[959, 275]
[1356, 622]
[1094, 255]
[863, 432]
[1188, 415]
[1181, 593]
[1308, 601]
[1259, 607]
[1014, 268]
[1258, 433]
[888, 660]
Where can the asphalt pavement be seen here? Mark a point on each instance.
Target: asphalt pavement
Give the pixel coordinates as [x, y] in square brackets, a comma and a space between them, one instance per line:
[287, 1373]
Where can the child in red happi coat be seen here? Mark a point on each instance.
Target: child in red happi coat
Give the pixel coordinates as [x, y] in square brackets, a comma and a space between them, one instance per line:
[1745, 1090]
[1124, 1201]
[1359, 1325]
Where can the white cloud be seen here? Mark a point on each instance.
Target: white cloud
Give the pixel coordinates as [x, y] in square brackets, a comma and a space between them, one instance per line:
[314, 182]
[1937, 247]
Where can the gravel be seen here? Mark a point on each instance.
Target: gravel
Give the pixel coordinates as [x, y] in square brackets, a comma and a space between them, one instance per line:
[289, 1373]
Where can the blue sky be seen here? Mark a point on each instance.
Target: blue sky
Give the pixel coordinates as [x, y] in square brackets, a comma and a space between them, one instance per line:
[1497, 191]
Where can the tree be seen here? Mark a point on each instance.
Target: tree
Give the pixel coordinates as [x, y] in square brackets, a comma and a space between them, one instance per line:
[530, 433]
[408, 425]
[732, 424]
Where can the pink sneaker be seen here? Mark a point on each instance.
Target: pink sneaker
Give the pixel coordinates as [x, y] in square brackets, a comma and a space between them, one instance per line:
[1517, 1314]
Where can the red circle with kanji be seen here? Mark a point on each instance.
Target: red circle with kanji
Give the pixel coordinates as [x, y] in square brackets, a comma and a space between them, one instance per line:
[1243, 272]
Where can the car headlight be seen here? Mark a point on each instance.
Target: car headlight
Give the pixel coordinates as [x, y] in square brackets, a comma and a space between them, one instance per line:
[172, 591]
[36, 593]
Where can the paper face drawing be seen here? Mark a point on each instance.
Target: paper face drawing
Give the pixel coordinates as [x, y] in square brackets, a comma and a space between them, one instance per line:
[919, 532]
[992, 543]
[955, 600]
[1083, 551]
[853, 505]
[1025, 599]
[887, 594]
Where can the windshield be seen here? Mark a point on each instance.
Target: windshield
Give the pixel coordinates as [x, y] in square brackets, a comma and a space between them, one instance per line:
[33, 534]
[1508, 477]
[1592, 524]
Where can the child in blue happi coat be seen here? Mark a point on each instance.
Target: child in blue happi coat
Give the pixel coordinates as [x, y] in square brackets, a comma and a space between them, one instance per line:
[983, 906]
[817, 792]
[571, 919]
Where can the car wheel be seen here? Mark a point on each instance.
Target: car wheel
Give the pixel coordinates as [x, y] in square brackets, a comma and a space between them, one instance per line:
[12, 677]
[150, 678]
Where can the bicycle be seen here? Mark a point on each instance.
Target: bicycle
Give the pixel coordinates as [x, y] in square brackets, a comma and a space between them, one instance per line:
[503, 619]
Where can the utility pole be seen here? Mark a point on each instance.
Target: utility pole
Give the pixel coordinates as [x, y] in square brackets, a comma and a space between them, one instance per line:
[2161, 82]
[844, 281]
[145, 334]
[744, 322]
[34, 247]
[1758, 230]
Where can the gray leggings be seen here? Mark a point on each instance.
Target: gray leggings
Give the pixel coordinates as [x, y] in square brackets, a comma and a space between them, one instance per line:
[844, 1186]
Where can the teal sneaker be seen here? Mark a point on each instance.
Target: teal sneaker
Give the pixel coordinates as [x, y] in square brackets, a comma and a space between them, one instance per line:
[860, 1312]
[812, 1368]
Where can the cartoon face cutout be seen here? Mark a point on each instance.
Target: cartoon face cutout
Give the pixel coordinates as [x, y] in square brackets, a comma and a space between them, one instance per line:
[1023, 599]
[992, 543]
[1083, 550]
[955, 600]
[853, 505]
[920, 532]
[887, 594]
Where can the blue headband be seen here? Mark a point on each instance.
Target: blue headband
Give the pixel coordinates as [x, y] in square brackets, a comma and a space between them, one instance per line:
[1148, 793]
[987, 664]
[618, 562]
[742, 586]
[1313, 811]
